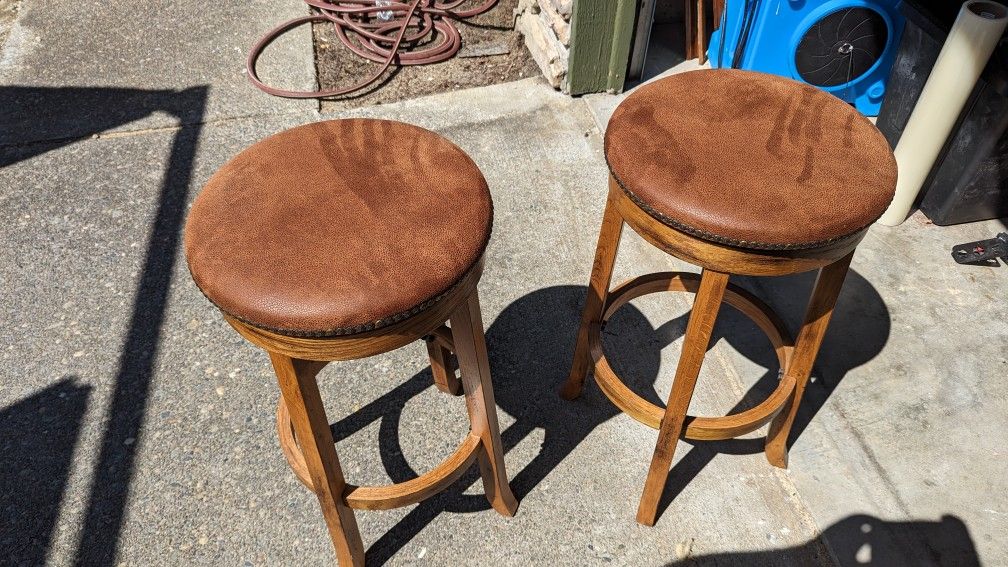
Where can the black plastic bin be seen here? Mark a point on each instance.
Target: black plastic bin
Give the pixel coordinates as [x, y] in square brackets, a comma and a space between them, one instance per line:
[969, 181]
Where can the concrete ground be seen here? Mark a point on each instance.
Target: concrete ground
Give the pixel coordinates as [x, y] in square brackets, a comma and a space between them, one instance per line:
[137, 428]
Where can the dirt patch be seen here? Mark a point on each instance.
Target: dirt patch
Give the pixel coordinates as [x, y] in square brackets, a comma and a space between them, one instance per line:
[492, 52]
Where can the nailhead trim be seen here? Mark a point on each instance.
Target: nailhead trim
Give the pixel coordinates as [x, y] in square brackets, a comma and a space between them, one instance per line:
[709, 236]
[373, 325]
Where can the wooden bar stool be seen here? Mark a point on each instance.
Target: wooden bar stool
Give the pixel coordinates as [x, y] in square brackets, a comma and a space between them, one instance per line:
[739, 173]
[346, 239]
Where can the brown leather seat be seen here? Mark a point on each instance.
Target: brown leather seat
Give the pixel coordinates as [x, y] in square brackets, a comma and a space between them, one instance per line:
[750, 160]
[338, 227]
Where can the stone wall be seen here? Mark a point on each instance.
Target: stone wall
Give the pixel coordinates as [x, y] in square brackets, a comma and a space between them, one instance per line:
[546, 27]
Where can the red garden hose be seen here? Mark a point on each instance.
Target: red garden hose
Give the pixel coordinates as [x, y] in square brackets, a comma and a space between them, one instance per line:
[387, 32]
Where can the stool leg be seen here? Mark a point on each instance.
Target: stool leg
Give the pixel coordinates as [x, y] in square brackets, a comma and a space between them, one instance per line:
[474, 365]
[598, 291]
[700, 34]
[817, 317]
[442, 369]
[689, 11]
[698, 333]
[311, 426]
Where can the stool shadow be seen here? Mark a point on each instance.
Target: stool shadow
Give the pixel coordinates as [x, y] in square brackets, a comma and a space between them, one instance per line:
[37, 120]
[39, 438]
[531, 344]
[858, 331]
[865, 540]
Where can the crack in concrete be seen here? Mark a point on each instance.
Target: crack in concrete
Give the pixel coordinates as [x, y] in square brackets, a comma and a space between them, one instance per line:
[887, 482]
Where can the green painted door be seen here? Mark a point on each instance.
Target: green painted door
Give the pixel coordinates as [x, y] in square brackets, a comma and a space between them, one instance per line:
[601, 35]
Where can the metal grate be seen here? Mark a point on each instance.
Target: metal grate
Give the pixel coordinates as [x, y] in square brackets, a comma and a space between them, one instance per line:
[841, 47]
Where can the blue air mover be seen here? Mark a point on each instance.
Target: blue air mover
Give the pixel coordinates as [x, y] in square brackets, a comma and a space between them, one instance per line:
[844, 47]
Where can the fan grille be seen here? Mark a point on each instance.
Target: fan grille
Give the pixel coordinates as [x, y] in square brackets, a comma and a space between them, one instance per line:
[841, 47]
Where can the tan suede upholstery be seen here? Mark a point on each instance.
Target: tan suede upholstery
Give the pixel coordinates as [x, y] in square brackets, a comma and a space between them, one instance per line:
[338, 227]
[750, 160]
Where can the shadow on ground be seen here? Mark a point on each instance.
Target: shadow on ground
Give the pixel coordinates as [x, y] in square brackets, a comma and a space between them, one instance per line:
[34, 121]
[866, 540]
[858, 331]
[531, 345]
[38, 438]
[530, 348]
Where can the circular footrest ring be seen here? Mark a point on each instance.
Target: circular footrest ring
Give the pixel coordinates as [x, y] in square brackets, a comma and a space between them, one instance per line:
[382, 497]
[697, 428]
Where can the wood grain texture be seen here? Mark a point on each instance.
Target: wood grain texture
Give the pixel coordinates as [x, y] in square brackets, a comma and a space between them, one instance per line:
[420, 488]
[382, 497]
[700, 32]
[304, 431]
[598, 289]
[689, 31]
[474, 366]
[697, 428]
[443, 364]
[301, 396]
[289, 446]
[712, 288]
[751, 306]
[695, 33]
[601, 36]
[817, 317]
[698, 332]
[718, 9]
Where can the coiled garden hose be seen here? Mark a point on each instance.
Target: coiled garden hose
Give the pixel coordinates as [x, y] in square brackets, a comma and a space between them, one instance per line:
[387, 32]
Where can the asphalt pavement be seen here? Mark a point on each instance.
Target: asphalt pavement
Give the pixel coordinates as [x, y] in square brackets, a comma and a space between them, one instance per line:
[137, 428]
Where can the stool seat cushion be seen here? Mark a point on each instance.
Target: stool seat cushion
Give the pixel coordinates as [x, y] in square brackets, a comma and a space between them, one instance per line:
[750, 160]
[338, 227]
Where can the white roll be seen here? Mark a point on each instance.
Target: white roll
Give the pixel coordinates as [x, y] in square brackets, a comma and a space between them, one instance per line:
[976, 31]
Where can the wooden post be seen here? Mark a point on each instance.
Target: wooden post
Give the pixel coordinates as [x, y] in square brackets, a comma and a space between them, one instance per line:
[601, 34]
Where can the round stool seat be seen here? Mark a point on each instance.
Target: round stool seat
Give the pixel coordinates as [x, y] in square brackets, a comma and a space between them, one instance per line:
[750, 160]
[338, 227]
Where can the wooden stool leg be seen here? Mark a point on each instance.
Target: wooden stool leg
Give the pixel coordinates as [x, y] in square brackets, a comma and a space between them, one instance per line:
[700, 33]
[598, 291]
[817, 318]
[718, 9]
[688, 17]
[474, 365]
[442, 368]
[311, 426]
[698, 333]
